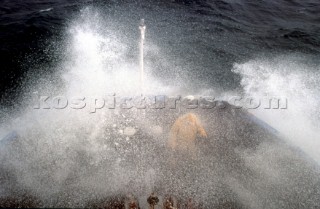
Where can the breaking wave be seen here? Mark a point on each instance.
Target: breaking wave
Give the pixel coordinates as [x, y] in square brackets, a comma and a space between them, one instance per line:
[293, 77]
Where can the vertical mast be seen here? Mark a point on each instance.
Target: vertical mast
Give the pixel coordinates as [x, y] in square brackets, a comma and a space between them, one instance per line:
[142, 28]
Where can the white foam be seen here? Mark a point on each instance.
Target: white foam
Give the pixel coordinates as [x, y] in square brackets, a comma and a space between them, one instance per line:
[46, 10]
[291, 78]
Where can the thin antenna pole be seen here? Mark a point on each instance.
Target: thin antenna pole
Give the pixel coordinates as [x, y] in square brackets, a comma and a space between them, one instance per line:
[142, 28]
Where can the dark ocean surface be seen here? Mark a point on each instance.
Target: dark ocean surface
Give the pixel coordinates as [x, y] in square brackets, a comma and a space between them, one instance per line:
[210, 35]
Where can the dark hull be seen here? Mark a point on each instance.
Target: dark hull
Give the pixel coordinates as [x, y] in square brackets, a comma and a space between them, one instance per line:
[242, 164]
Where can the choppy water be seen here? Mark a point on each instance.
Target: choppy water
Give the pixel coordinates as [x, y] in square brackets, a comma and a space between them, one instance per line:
[211, 35]
[89, 48]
